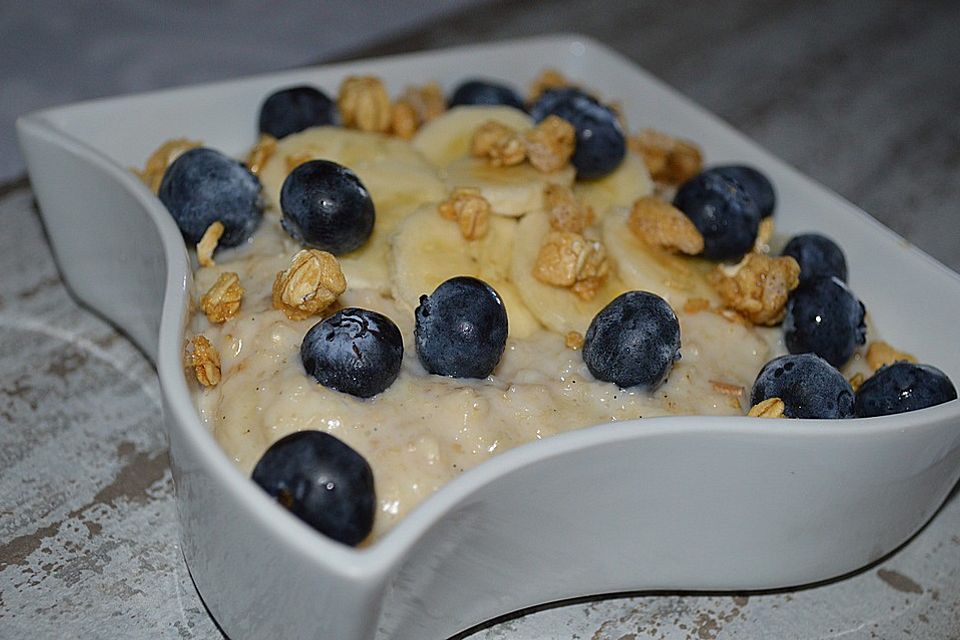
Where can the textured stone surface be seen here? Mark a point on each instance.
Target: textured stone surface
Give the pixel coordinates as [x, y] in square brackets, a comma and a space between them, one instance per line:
[855, 94]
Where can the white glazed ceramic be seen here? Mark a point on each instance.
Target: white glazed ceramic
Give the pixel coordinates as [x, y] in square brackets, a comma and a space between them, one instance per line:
[667, 503]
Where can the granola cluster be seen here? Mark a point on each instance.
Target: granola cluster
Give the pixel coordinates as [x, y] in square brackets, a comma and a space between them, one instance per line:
[670, 160]
[880, 353]
[660, 224]
[769, 408]
[566, 212]
[364, 104]
[222, 301]
[499, 144]
[202, 357]
[416, 106]
[470, 210]
[310, 285]
[568, 259]
[758, 287]
[548, 146]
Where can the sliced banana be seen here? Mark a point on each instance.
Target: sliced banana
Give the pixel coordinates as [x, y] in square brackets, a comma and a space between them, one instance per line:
[398, 180]
[448, 137]
[630, 181]
[557, 308]
[369, 155]
[427, 250]
[643, 267]
[511, 191]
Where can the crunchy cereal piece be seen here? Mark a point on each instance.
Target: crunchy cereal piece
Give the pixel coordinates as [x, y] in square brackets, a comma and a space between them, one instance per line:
[364, 104]
[880, 353]
[162, 158]
[769, 408]
[261, 152]
[696, 305]
[573, 340]
[499, 144]
[548, 79]
[222, 301]
[568, 259]
[204, 359]
[727, 388]
[764, 233]
[403, 119]
[311, 284]
[208, 244]
[550, 144]
[294, 160]
[565, 211]
[670, 160]
[470, 209]
[856, 380]
[662, 225]
[758, 286]
[427, 101]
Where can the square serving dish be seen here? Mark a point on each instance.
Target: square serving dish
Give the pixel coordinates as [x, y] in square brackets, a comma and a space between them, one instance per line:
[691, 503]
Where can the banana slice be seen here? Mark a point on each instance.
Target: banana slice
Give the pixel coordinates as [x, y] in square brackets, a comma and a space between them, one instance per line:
[369, 155]
[426, 250]
[557, 308]
[630, 181]
[674, 278]
[447, 138]
[398, 180]
[511, 191]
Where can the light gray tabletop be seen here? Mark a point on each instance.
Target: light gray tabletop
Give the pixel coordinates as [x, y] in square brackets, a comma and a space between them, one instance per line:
[861, 96]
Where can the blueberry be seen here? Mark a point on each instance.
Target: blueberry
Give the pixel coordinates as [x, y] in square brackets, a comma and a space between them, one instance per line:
[203, 186]
[294, 109]
[601, 143]
[903, 386]
[484, 92]
[633, 341]
[818, 256]
[323, 482]
[461, 329]
[756, 183]
[825, 317]
[808, 386]
[723, 211]
[548, 100]
[354, 351]
[325, 206]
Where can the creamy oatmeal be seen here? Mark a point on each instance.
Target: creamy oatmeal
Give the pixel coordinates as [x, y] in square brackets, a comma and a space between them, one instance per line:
[426, 429]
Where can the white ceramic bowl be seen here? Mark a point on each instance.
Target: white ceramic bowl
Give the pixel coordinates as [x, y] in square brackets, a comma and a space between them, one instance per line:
[666, 503]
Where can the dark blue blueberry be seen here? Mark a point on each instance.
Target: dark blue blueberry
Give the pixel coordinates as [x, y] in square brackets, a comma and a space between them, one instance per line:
[724, 213]
[323, 482]
[818, 257]
[485, 92]
[294, 109]
[633, 341]
[325, 206]
[825, 317]
[461, 329]
[757, 185]
[903, 386]
[354, 351]
[808, 386]
[203, 186]
[601, 143]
